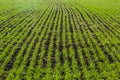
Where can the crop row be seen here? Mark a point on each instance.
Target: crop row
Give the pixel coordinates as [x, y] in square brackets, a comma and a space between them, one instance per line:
[59, 40]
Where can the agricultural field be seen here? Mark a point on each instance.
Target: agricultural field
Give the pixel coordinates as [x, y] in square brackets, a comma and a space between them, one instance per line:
[59, 39]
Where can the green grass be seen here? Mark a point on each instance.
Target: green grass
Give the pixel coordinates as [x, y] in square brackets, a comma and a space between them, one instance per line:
[60, 40]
